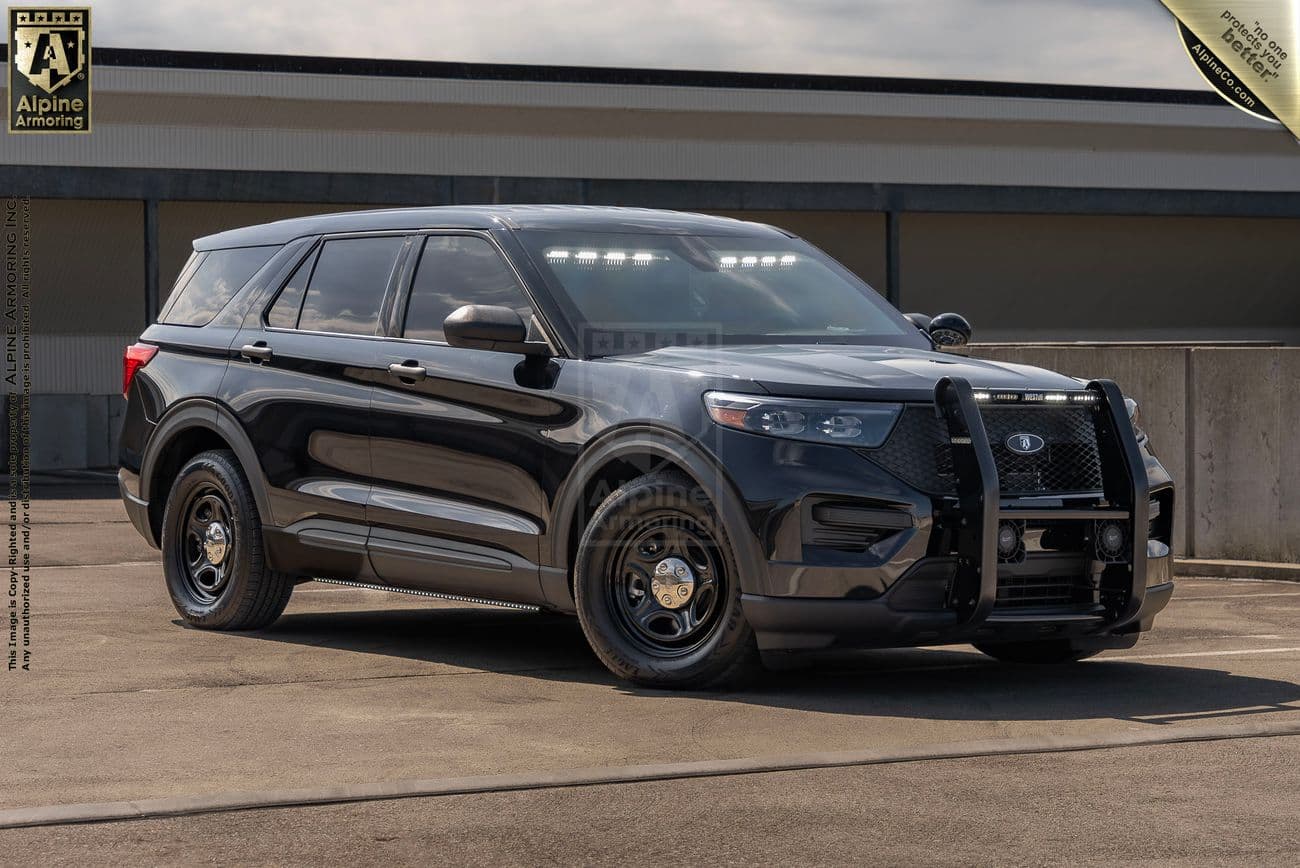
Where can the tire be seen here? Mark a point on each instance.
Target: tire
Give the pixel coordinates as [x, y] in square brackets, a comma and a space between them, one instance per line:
[1042, 651]
[704, 641]
[211, 588]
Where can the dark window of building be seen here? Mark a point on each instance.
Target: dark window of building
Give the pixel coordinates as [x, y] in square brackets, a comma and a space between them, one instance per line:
[456, 270]
[347, 286]
[212, 285]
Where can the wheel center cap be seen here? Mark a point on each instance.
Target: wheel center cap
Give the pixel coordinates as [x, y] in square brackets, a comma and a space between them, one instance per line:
[673, 583]
[216, 543]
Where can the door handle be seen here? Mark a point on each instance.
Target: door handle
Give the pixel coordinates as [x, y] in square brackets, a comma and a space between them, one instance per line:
[408, 371]
[258, 352]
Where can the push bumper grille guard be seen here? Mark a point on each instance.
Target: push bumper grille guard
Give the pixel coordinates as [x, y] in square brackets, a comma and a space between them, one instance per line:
[980, 510]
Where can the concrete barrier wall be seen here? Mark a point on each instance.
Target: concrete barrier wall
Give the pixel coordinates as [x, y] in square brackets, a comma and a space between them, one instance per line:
[1225, 421]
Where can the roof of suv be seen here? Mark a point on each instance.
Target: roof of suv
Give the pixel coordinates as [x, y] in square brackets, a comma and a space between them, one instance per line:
[570, 217]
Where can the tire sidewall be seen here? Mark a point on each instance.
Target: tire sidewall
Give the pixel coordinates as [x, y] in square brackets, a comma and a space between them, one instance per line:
[208, 469]
[731, 638]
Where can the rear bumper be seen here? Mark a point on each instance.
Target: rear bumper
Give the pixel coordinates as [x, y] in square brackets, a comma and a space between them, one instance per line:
[136, 509]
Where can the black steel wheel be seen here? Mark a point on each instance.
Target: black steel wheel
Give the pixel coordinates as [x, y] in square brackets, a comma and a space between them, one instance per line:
[657, 590]
[667, 584]
[212, 549]
[208, 543]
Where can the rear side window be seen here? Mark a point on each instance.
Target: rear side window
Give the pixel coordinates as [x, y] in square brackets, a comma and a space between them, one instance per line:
[347, 286]
[456, 270]
[284, 313]
[212, 285]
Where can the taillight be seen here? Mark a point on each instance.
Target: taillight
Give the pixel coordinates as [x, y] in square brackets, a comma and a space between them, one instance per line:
[135, 358]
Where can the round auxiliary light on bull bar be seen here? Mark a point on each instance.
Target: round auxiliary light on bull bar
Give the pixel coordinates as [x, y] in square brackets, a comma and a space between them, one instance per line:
[1008, 540]
[1110, 540]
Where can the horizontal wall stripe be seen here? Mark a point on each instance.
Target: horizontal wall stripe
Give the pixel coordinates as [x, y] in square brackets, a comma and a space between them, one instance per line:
[387, 68]
[75, 182]
[157, 147]
[78, 364]
[628, 97]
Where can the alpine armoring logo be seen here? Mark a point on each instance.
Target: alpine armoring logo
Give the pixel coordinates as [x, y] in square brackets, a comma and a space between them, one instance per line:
[49, 70]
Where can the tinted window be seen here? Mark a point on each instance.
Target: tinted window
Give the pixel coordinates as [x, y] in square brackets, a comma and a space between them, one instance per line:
[695, 289]
[456, 270]
[212, 285]
[347, 285]
[284, 313]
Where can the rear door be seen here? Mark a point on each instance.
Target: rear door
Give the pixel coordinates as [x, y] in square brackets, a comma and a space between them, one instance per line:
[301, 385]
[456, 442]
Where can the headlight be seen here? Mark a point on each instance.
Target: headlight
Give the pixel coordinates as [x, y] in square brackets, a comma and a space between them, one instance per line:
[1132, 407]
[843, 423]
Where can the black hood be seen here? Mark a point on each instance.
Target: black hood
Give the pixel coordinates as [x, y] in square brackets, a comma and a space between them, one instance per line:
[839, 371]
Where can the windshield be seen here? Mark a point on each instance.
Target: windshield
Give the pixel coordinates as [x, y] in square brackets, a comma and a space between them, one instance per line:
[628, 293]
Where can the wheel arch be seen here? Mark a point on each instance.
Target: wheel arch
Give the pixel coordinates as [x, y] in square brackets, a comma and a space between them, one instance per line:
[193, 426]
[618, 457]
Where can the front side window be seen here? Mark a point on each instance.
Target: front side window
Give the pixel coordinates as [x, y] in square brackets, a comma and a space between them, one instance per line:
[456, 270]
[347, 286]
[632, 290]
[212, 285]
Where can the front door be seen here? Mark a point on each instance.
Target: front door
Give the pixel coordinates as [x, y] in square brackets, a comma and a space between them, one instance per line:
[456, 436]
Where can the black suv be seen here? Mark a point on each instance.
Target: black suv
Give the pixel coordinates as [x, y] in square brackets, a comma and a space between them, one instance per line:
[703, 436]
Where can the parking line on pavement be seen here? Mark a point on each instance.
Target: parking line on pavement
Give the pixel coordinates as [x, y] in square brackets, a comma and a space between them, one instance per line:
[175, 806]
[1236, 596]
[1204, 653]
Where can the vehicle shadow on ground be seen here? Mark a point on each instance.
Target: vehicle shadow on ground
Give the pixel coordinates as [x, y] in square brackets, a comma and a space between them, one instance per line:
[951, 683]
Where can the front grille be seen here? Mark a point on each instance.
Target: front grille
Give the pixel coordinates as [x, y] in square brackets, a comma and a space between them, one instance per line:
[918, 451]
[1032, 592]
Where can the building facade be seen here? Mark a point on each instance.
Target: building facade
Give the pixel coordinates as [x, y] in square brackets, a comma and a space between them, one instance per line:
[1040, 212]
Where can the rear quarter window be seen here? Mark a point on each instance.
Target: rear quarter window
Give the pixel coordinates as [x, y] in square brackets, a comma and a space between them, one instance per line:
[210, 286]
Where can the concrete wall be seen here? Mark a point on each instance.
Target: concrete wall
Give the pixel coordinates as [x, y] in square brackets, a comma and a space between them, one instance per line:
[87, 303]
[416, 124]
[1103, 278]
[1223, 421]
[87, 266]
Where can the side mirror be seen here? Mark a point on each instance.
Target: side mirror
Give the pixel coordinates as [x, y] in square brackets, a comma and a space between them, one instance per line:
[920, 320]
[491, 327]
[949, 331]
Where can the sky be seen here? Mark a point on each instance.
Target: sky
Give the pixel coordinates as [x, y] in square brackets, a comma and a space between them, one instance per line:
[1106, 42]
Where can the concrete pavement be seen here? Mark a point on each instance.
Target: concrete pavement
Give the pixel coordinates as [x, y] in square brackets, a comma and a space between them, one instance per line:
[355, 687]
[1207, 804]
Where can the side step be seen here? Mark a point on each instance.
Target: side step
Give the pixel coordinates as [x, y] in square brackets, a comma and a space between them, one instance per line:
[456, 598]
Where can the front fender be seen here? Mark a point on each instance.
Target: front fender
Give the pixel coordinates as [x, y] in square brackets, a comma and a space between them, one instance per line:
[663, 443]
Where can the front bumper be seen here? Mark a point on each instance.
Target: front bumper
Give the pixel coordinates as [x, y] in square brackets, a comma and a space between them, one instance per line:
[803, 623]
[917, 587]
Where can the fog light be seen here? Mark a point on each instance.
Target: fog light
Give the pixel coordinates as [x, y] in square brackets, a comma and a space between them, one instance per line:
[1008, 540]
[1110, 540]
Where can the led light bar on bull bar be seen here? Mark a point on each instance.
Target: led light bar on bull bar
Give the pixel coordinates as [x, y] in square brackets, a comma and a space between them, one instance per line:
[1017, 396]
